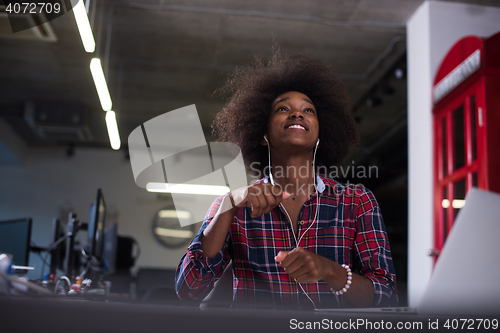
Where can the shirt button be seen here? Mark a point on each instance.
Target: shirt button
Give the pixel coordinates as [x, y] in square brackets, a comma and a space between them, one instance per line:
[302, 222]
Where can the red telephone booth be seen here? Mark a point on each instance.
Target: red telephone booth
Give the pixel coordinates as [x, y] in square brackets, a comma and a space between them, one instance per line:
[466, 116]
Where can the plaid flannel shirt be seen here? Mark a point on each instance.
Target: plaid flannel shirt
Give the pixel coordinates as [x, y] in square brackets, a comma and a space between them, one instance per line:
[349, 230]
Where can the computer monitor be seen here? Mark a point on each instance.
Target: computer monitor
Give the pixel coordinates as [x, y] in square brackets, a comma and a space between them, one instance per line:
[96, 227]
[110, 249]
[15, 238]
[57, 254]
[72, 254]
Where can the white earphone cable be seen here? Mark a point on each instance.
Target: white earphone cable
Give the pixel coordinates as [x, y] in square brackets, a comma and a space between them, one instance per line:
[297, 242]
[269, 159]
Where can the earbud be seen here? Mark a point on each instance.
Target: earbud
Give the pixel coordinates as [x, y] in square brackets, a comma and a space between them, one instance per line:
[317, 143]
[269, 156]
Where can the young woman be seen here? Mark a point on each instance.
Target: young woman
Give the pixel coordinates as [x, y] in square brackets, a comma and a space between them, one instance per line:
[297, 239]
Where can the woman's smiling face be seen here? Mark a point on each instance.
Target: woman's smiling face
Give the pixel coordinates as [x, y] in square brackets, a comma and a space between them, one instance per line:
[293, 121]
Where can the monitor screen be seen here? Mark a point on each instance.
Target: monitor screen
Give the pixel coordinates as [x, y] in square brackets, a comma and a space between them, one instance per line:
[96, 227]
[57, 253]
[110, 248]
[15, 238]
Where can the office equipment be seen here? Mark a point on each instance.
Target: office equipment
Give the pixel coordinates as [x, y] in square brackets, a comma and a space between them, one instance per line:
[72, 257]
[95, 239]
[11, 284]
[96, 227]
[57, 253]
[126, 257]
[465, 278]
[110, 249]
[122, 282]
[15, 238]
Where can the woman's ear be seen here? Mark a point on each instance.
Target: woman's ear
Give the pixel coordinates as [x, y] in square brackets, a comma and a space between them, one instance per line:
[264, 141]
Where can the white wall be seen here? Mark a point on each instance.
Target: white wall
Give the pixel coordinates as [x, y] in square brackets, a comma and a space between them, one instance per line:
[49, 184]
[431, 32]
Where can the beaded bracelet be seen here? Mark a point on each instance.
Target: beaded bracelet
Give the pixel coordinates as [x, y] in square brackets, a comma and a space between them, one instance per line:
[348, 283]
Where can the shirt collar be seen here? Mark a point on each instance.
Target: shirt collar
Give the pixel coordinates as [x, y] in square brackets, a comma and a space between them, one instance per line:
[320, 185]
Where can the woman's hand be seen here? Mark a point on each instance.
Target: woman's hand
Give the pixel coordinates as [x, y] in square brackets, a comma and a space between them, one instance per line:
[261, 197]
[304, 266]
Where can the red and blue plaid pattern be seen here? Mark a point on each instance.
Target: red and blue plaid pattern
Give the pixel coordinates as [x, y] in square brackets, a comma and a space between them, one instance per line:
[349, 230]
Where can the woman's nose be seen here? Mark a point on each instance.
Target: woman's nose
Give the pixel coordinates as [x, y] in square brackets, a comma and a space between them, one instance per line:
[296, 114]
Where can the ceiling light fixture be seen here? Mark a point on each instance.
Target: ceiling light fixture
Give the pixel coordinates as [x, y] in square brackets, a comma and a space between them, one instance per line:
[100, 84]
[82, 21]
[187, 188]
[170, 213]
[114, 136]
[174, 233]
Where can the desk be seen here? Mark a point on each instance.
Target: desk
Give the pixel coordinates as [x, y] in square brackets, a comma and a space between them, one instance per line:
[25, 314]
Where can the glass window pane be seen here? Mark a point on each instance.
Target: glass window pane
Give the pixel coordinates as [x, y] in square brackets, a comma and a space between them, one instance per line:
[444, 147]
[474, 179]
[458, 196]
[445, 206]
[458, 138]
[473, 127]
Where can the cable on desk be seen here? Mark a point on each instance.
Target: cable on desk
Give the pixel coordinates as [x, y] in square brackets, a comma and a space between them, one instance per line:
[33, 244]
[66, 279]
[15, 279]
[82, 275]
[51, 247]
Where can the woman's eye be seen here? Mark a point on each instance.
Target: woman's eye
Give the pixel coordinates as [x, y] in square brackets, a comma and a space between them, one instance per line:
[309, 110]
[282, 108]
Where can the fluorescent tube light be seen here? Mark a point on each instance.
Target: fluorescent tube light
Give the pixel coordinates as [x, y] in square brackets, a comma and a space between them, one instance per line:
[455, 203]
[187, 188]
[174, 233]
[82, 21]
[100, 84]
[181, 214]
[114, 136]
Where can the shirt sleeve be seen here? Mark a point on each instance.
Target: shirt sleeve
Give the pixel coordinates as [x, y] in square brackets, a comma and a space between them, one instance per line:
[372, 251]
[196, 274]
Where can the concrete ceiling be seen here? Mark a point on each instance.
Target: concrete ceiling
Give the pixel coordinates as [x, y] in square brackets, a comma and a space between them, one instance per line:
[160, 56]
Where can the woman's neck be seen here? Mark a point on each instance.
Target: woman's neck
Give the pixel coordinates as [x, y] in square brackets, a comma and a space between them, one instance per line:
[294, 174]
